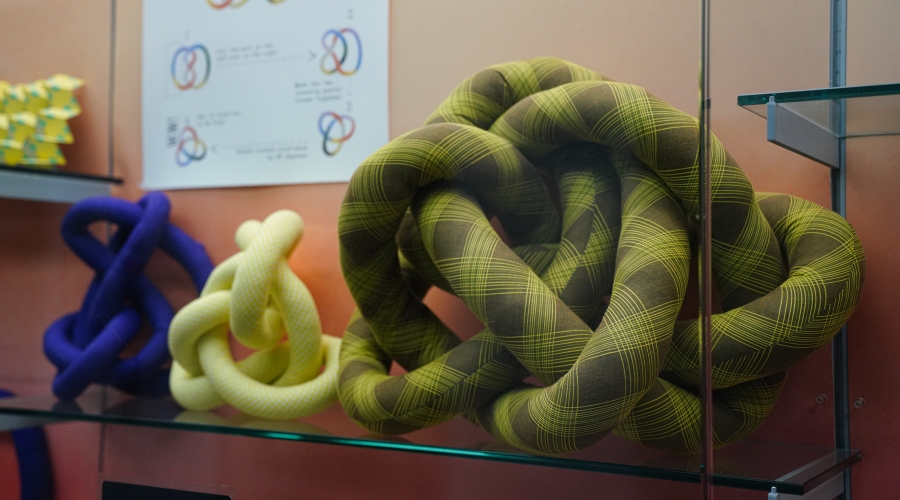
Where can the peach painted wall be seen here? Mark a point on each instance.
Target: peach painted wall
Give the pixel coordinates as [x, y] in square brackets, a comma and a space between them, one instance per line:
[758, 46]
[40, 278]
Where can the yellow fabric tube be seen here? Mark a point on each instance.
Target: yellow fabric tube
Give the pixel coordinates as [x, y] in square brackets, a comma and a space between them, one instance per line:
[257, 294]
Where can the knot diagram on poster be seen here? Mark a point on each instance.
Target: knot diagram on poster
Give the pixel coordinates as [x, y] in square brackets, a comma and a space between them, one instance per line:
[222, 4]
[190, 67]
[190, 148]
[262, 92]
[335, 130]
[343, 52]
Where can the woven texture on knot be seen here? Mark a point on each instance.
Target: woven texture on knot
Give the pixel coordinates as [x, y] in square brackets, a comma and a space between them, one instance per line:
[621, 166]
[85, 345]
[260, 298]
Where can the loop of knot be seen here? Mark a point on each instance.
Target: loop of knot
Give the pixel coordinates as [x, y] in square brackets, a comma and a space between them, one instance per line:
[255, 293]
[595, 184]
[85, 346]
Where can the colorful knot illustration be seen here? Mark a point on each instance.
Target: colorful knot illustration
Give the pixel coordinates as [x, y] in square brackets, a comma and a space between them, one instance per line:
[35, 467]
[225, 3]
[233, 4]
[595, 184]
[191, 66]
[260, 298]
[334, 130]
[338, 51]
[85, 345]
[189, 148]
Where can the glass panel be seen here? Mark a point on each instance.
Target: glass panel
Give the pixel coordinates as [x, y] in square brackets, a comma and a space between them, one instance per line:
[789, 51]
[750, 464]
[670, 73]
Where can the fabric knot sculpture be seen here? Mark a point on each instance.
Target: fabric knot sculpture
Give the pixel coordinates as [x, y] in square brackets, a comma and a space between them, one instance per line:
[623, 165]
[255, 292]
[85, 345]
[35, 467]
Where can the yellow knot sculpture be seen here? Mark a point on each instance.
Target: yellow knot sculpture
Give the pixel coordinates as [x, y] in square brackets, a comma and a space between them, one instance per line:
[258, 294]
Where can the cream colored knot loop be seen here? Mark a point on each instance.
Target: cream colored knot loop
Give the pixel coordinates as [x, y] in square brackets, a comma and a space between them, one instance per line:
[257, 294]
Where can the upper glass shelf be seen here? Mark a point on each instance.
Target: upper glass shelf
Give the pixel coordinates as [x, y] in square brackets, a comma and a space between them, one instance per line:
[869, 109]
[55, 186]
[757, 465]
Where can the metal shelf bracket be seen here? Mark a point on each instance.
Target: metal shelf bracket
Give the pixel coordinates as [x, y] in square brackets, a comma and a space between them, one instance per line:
[828, 490]
[795, 133]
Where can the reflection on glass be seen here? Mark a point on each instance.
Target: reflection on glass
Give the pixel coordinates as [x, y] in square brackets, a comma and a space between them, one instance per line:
[793, 469]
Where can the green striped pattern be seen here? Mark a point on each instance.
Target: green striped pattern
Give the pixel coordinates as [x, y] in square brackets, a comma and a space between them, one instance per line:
[595, 185]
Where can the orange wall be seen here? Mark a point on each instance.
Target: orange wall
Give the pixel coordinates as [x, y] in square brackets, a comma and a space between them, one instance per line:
[757, 46]
[40, 279]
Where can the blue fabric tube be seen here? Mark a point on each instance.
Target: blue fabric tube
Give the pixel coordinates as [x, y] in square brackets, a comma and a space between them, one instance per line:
[85, 345]
[35, 470]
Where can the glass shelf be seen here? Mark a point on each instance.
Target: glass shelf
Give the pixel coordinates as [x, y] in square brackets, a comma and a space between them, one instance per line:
[55, 186]
[870, 109]
[757, 465]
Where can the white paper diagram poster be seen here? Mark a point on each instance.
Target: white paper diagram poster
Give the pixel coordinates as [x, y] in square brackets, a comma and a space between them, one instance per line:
[262, 92]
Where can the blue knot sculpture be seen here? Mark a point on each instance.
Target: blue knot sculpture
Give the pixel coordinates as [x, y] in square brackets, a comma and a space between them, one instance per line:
[35, 469]
[85, 345]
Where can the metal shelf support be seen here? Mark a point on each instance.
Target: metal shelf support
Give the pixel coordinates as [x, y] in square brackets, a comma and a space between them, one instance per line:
[828, 490]
[795, 133]
[841, 378]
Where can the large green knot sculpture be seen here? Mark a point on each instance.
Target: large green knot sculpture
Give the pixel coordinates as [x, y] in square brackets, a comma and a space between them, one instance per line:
[595, 184]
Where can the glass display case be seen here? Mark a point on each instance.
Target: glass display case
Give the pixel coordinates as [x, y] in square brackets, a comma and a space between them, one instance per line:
[834, 409]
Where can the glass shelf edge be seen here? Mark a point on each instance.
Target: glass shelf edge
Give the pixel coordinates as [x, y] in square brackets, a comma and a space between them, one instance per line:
[820, 94]
[792, 487]
[61, 174]
[12, 421]
[497, 456]
[643, 471]
[52, 186]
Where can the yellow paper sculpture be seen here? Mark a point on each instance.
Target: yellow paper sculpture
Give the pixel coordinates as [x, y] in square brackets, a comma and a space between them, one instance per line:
[10, 149]
[22, 125]
[255, 292]
[34, 120]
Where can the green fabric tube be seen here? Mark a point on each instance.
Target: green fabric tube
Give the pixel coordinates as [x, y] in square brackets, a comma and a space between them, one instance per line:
[595, 184]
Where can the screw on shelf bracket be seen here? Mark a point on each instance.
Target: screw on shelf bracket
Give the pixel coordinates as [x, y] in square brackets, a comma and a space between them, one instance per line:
[796, 133]
[825, 491]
